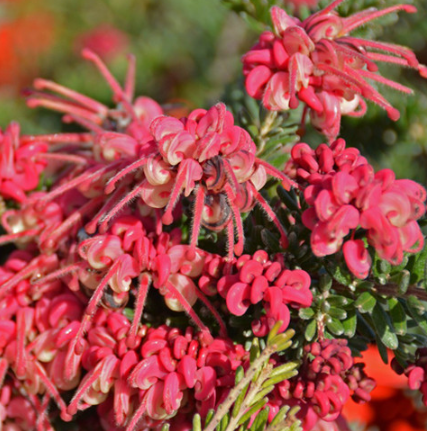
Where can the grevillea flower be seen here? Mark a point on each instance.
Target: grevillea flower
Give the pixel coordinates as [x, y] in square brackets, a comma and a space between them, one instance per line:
[316, 62]
[326, 380]
[21, 164]
[416, 372]
[255, 280]
[131, 116]
[208, 156]
[345, 194]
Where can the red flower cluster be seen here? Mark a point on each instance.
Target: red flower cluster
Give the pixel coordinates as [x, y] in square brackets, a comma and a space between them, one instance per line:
[21, 164]
[417, 373]
[255, 279]
[326, 379]
[345, 195]
[317, 63]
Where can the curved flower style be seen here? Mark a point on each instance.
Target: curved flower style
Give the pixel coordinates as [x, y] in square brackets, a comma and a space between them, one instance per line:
[326, 379]
[130, 116]
[316, 62]
[344, 193]
[21, 164]
[204, 154]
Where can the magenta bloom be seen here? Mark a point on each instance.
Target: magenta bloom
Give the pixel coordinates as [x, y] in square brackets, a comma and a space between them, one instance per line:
[316, 62]
[344, 194]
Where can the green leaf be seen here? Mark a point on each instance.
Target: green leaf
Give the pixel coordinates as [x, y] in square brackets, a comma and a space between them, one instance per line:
[342, 276]
[258, 406]
[271, 241]
[261, 420]
[384, 328]
[337, 313]
[310, 330]
[325, 282]
[197, 422]
[306, 313]
[365, 303]
[350, 324]
[335, 326]
[416, 311]
[397, 316]
[417, 266]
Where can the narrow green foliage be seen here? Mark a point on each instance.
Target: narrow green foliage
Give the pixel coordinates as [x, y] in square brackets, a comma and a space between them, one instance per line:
[365, 303]
[384, 328]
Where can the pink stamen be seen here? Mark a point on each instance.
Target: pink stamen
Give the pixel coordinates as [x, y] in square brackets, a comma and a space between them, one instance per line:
[188, 309]
[64, 107]
[137, 415]
[359, 19]
[293, 71]
[394, 49]
[105, 220]
[21, 275]
[24, 235]
[43, 84]
[238, 247]
[197, 218]
[231, 177]
[176, 192]
[68, 138]
[59, 273]
[111, 184]
[214, 311]
[87, 381]
[92, 306]
[230, 241]
[352, 52]
[70, 158]
[91, 174]
[271, 215]
[144, 285]
[331, 7]
[71, 118]
[51, 388]
[361, 112]
[130, 77]
[387, 58]
[24, 318]
[287, 183]
[385, 81]
[51, 241]
[109, 204]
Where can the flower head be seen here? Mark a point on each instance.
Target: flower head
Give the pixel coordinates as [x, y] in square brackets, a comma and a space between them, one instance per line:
[344, 194]
[317, 62]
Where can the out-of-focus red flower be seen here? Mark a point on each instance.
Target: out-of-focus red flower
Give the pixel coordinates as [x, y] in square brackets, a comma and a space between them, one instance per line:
[297, 4]
[105, 40]
[389, 408]
[22, 42]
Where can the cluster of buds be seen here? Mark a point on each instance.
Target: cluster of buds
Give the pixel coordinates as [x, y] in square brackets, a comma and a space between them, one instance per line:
[255, 280]
[344, 194]
[326, 380]
[316, 62]
[416, 372]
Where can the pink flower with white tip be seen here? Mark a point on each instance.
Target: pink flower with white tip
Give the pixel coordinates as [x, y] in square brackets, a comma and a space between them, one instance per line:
[317, 62]
[207, 156]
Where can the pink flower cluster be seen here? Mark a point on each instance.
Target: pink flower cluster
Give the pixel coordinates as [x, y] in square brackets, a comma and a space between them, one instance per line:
[416, 373]
[21, 164]
[164, 374]
[345, 196]
[316, 62]
[326, 379]
[256, 279]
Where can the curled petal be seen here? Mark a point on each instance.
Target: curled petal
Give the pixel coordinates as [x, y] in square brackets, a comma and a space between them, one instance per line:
[357, 258]
[238, 298]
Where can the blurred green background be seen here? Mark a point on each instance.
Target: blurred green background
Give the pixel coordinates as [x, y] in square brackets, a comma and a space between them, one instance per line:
[188, 52]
